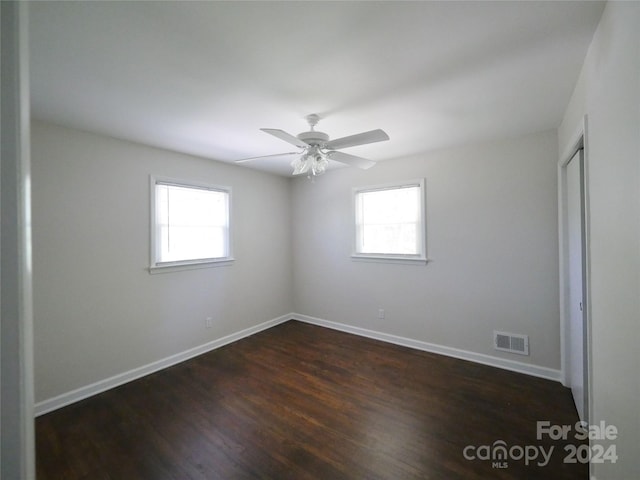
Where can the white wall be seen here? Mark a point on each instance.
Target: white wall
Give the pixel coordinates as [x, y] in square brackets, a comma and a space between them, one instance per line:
[491, 220]
[491, 235]
[98, 312]
[492, 238]
[608, 92]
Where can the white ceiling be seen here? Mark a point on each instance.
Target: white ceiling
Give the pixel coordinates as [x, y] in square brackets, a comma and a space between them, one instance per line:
[203, 77]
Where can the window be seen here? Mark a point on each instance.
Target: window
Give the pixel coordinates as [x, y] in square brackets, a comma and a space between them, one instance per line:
[189, 224]
[390, 222]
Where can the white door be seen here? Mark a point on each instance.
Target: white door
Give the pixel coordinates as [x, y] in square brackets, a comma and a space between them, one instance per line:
[577, 327]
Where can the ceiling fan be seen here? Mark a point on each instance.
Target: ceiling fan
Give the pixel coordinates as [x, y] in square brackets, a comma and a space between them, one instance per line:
[316, 149]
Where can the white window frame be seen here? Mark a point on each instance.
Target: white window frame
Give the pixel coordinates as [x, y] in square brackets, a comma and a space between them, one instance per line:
[163, 267]
[417, 259]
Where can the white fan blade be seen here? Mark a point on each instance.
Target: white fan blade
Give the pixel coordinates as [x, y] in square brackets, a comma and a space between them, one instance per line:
[358, 139]
[267, 156]
[351, 160]
[287, 137]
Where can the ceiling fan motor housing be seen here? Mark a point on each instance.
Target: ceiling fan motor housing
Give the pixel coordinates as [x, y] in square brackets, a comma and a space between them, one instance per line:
[314, 138]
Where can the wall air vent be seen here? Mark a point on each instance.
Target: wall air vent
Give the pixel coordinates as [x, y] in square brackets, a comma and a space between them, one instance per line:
[511, 342]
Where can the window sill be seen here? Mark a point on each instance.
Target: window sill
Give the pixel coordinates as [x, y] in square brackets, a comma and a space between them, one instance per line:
[390, 259]
[182, 266]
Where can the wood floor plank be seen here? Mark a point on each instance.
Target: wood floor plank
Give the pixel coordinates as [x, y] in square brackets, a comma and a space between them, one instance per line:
[303, 402]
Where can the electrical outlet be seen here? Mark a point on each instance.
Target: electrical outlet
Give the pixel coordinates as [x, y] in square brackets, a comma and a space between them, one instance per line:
[208, 322]
[381, 314]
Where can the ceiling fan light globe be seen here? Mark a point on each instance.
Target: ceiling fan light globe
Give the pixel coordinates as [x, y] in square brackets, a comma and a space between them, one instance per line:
[320, 163]
[300, 165]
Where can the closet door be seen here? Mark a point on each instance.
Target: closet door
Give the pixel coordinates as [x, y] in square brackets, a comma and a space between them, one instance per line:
[577, 328]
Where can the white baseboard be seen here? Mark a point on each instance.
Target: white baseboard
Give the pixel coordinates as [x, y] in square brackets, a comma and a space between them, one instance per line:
[505, 364]
[81, 393]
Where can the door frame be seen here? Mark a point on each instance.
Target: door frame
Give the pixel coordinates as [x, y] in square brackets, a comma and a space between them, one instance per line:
[578, 141]
[17, 437]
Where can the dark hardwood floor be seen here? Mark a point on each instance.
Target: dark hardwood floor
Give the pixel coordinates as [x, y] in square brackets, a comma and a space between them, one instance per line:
[303, 402]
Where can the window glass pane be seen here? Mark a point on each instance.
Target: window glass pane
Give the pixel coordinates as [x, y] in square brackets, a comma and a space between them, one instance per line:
[191, 223]
[388, 221]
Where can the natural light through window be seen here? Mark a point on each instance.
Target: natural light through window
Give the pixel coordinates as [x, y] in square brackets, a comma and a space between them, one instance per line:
[190, 224]
[389, 221]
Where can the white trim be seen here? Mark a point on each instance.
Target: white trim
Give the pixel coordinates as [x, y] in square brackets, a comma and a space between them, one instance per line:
[575, 144]
[166, 267]
[527, 369]
[100, 386]
[17, 436]
[417, 259]
[190, 265]
[580, 139]
[358, 257]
